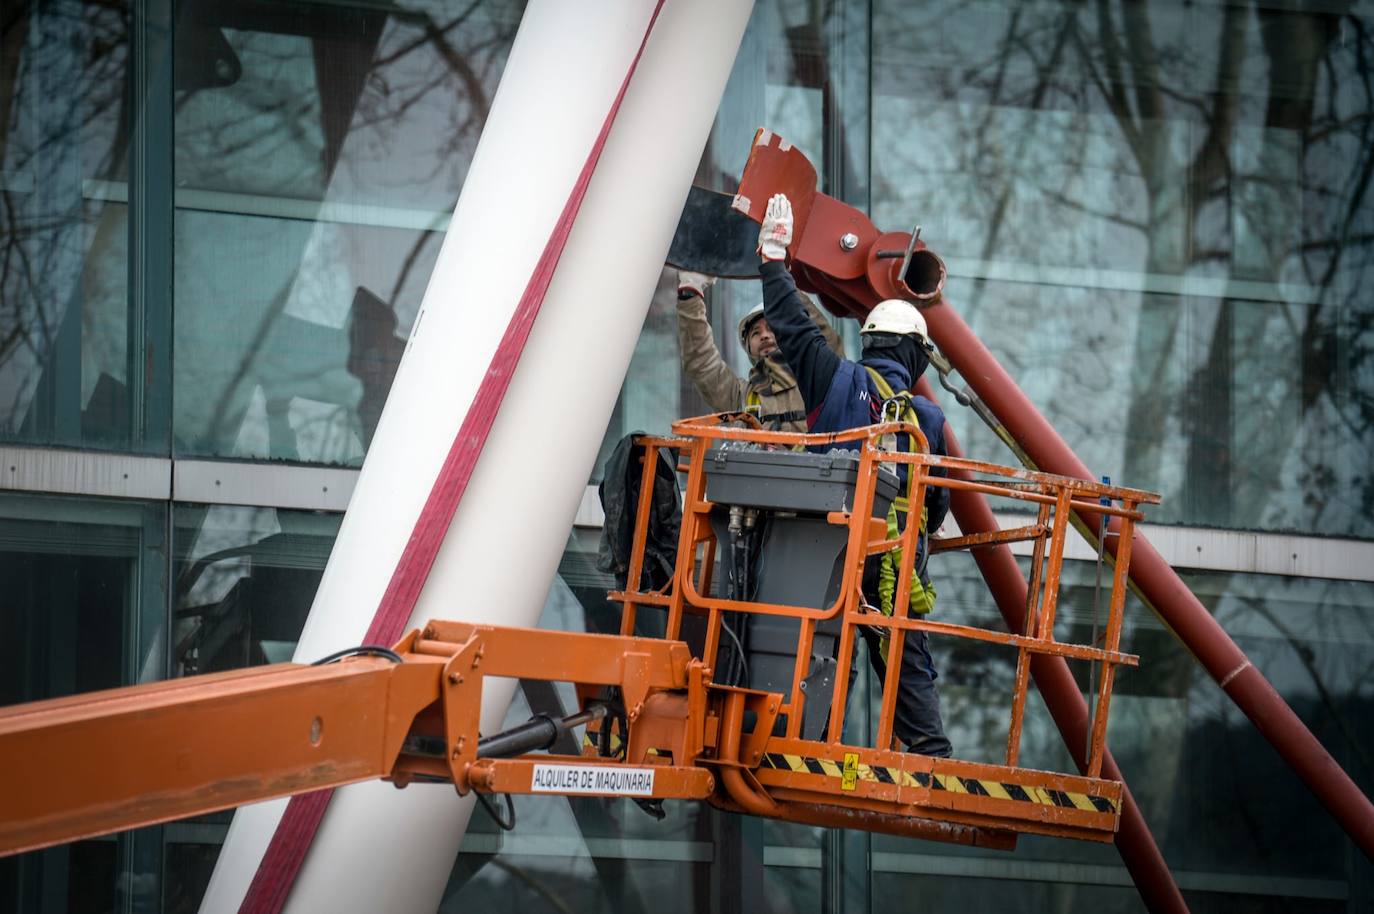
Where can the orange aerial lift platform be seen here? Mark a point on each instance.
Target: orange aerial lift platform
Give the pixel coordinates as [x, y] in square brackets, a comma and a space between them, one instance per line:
[661, 719]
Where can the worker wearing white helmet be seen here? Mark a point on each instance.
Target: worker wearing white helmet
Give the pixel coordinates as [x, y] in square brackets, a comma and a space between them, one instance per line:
[895, 316]
[838, 395]
[769, 390]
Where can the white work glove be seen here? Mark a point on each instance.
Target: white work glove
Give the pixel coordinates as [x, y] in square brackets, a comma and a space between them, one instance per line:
[776, 232]
[695, 283]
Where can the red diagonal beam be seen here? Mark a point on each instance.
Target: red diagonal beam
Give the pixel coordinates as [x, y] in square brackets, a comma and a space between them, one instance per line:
[1008, 586]
[1162, 588]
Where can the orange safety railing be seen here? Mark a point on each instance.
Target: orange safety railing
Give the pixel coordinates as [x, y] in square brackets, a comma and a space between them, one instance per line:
[1055, 499]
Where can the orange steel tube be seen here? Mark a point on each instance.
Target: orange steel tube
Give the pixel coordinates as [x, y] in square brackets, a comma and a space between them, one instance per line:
[883, 739]
[839, 697]
[1037, 566]
[1163, 589]
[805, 638]
[1051, 603]
[647, 477]
[1036, 645]
[1114, 620]
[1018, 707]
[635, 573]
[693, 500]
[731, 723]
[1066, 705]
[1013, 535]
[990, 488]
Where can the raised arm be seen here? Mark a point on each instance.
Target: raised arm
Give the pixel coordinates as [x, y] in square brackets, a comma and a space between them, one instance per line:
[824, 322]
[701, 360]
[812, 360]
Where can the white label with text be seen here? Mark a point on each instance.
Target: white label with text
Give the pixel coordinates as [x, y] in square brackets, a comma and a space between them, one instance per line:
[625, 782]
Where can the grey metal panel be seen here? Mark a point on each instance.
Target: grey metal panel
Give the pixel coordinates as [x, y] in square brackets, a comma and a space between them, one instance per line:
[224, 483]
[85, 473]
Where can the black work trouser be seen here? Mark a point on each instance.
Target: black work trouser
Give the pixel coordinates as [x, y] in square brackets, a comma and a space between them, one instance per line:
[916, 719]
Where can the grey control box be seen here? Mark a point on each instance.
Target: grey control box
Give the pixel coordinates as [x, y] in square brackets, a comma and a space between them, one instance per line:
[792, 480]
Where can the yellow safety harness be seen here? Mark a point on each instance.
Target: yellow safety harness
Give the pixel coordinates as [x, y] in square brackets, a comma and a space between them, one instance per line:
[753, 404]
[922, 595]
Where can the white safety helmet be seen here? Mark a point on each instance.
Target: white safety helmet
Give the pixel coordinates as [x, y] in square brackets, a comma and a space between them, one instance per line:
[895, 316]
[746, 322]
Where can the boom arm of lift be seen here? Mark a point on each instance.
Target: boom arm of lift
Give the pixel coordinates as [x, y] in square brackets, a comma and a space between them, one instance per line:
[106, 761]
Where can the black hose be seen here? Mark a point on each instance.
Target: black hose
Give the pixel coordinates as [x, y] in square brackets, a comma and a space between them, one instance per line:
[505, 824]
[373, 650]
[736, 671]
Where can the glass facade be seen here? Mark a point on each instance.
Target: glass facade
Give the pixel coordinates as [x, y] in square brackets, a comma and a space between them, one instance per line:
[84, 608]
[317, 159]
[217, 221]
[293, 168]
[66, 307]
[1167, 203]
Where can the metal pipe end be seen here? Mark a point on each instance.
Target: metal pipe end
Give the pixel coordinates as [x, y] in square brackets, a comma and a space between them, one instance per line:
[924, 275]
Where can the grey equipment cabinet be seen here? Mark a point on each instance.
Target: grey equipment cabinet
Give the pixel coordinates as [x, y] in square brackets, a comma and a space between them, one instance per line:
[776, 547]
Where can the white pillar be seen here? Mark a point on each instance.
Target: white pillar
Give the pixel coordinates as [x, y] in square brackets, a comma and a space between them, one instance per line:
[380, 848]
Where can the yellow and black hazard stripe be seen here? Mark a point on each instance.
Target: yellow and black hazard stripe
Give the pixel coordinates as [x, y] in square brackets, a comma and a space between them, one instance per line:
[616, 743]
[589, 743]
[853, 770]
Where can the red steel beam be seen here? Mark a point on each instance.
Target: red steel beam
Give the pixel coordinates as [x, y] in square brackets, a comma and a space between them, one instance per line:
[1162, 588]
[1008, 586]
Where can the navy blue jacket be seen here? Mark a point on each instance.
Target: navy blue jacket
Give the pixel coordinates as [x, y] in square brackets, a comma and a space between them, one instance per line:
[838, 393]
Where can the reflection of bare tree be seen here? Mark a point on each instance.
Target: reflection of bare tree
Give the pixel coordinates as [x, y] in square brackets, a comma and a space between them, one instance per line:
[1230, 145]
[396, 106]
[13, 21]
[813, 46]
[62, 99]
[1266, 197]
[382, 100]
[1328, 702]
[535, 885]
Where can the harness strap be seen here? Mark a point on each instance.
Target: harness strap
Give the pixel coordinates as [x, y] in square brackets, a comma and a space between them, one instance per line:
[752, 401]
[792, 415]
[888, 574]
[906, 413]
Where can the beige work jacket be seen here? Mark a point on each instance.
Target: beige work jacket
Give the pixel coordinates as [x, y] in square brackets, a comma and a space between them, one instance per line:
[769, 380]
